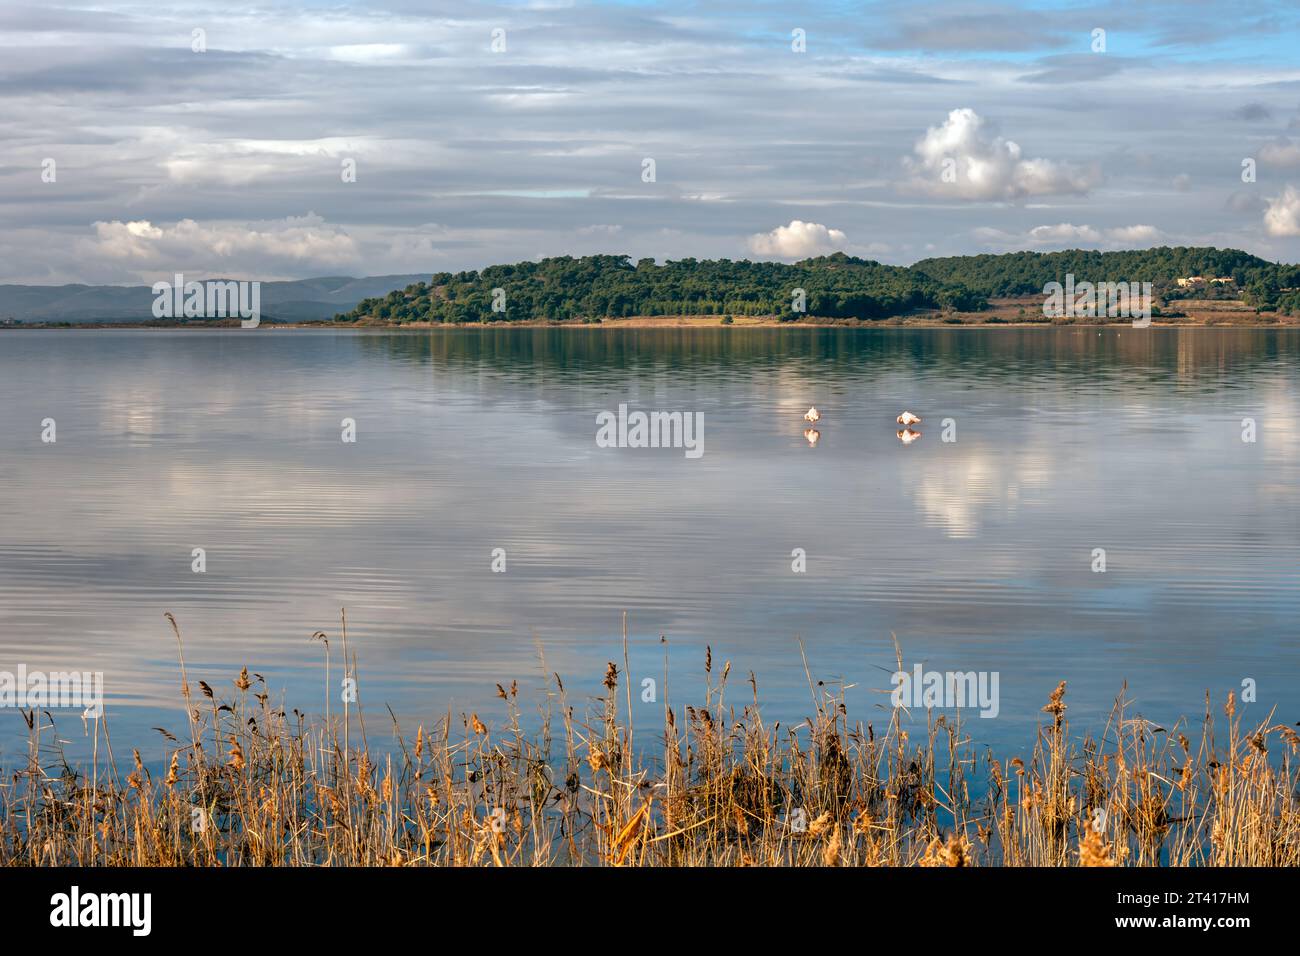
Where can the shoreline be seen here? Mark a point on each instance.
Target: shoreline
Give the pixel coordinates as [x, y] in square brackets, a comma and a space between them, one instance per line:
[1007, 313]
[649, 323]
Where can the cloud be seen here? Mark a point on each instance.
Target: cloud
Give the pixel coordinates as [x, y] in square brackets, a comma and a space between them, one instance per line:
[444, 131]
[1245, 202]
[1005, 29]
[1253, 111]
[797, 241]
[371, 52]
[1280, 153]
[1283, 215]
[1064, 232]
[1079, 68]
[1068, 234]
[216, 248]
[240, 162]
[982, 165]
[1134, 234]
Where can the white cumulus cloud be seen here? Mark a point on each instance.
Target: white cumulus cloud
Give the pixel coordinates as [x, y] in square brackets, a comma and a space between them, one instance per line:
[211, 248]
[797, 241]
[966, 158]
[1282, 217]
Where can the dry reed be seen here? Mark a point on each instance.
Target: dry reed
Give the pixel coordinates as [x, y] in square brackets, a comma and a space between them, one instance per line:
[252, 785]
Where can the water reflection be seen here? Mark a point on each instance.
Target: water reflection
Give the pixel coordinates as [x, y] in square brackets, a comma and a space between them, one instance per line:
[974, 552]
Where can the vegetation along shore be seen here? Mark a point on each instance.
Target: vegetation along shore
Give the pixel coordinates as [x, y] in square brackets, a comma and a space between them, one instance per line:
[840, 289]
[248, 783]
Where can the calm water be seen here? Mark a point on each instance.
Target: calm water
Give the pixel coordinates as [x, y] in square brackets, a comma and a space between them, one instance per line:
[977, 554]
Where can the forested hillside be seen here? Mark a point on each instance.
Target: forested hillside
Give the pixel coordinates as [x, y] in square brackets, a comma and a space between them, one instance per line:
[1025, 273]
[603, 286]
[837, 286]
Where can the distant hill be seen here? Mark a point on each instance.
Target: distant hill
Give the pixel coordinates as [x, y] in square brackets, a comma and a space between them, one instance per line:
[565, 288]
[1025, 273]
[292, 301]
[836, 286]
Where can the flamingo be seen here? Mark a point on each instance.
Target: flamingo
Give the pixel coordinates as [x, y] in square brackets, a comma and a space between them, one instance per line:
[907, 436]
[812, 415]
[907, 418]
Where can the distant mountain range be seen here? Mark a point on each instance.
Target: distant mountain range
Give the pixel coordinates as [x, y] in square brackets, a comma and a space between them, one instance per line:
[293, 301]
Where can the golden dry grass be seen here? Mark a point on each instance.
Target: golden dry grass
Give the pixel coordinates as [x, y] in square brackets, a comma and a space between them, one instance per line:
[251, 785]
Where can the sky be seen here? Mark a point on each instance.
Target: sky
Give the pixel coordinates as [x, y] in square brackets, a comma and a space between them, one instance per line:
[279, 141]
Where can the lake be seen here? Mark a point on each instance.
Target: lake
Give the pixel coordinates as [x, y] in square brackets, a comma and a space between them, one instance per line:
[977, 554]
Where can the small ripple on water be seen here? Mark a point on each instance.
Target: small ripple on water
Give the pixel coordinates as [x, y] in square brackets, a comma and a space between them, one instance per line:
[975, 552]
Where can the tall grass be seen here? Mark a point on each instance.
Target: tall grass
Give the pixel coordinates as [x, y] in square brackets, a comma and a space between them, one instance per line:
[249, 784]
